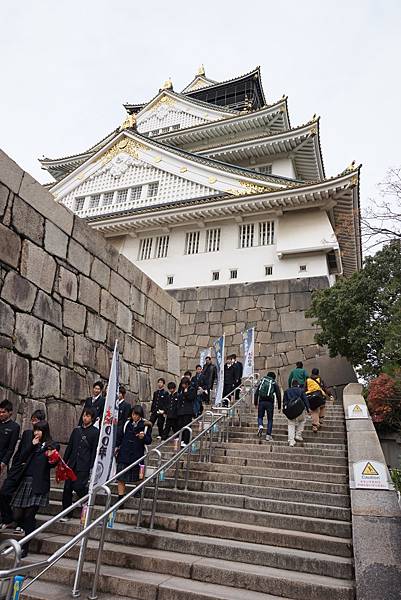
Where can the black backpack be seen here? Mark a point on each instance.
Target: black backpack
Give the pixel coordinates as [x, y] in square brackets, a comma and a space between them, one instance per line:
[293, 406]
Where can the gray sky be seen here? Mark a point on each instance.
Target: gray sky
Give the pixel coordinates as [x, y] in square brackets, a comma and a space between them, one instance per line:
[67, 67]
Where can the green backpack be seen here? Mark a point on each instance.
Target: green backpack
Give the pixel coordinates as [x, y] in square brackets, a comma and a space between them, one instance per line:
[266, 388]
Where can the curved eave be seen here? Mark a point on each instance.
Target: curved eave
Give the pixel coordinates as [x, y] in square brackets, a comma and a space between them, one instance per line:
[255, 73]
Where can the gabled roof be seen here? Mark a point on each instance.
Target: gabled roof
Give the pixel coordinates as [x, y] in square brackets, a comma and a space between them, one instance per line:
[199, 81]
[223, 110]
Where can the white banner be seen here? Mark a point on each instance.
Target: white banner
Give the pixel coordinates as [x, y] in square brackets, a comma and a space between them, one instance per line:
[102, 468]
[248, 346]
[203, 356]
[218, 346]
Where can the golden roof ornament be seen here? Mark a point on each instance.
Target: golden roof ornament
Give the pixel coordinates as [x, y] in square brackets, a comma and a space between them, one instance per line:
[201, 70]
[167, 85]
[130, 122]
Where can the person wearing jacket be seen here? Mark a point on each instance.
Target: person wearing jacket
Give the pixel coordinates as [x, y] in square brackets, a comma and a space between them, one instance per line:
[7, 490]
[80, 455]
[130, 446]
[185, 407]
[210, 374]
[9, 432]
[238, 370]
[158, 407]
[229, 379]
[124, 409]
[295, 394]
[96, 401]
[198, 381]
[265, 404]
[299, 374]
[316, 393]
[171, 410]
[33, 490]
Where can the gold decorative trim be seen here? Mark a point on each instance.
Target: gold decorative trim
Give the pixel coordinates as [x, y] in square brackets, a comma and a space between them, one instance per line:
[212, 179]
[126, 145]
[130, 121]
[157, 159]
[164, 101]
[253, 188]
[183, 170]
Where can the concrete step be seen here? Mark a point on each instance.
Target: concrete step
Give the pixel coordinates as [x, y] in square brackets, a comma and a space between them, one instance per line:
[278, 464]
[265, 452]
[300, 449]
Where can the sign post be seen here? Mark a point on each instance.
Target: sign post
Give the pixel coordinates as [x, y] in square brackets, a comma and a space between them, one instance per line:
[218, 346]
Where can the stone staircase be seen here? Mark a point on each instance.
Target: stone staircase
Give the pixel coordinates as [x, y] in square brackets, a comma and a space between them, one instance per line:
[262, 521]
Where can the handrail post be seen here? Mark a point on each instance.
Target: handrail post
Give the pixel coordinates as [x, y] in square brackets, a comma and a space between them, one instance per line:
[189, 450]
[82, 550]
[177, 466]
[142, 497]
[93, 595]
[156, 489]
[16, 546]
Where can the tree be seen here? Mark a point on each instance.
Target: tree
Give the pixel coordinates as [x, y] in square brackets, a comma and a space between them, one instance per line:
[360, 316]
[384, 401]
[381, 221]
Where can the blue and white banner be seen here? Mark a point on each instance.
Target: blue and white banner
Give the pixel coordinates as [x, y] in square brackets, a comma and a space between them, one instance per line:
[103, 465]
[203, 356]
[218, 346]
[248, 346]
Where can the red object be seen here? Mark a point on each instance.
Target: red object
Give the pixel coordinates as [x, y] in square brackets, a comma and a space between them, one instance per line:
[53, 456]
[64, 472]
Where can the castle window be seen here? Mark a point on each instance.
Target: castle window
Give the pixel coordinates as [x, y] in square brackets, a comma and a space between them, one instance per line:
[108, 198]
[246, 235]
[215, 275]
[136, 192]
[165, 129]
[94, 201]
[170, 279]
[268, 270]
[212, 240]
[175, 127]
[266, 233]
[153, 188]
[145, 249]
[302, 268]
[162, 246]
[122, 196]
[233, 273]
[79, 203]
[192, 242]
[265, 169]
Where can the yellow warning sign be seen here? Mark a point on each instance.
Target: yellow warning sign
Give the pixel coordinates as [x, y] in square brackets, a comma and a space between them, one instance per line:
[357, 409]
[369, 470]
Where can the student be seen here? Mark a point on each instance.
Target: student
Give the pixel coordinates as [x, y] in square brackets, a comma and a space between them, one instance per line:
[229, 379]
[295, 403]
[171, 410]
[9, 432]
[131, 442]
[124, 408]
[266, 392]
[96, 401]
[210, 375]
[316, 393]
[6, 492]
[186, 374]
[158, 406]
[185, 407]
[80, 455]
[33, 491]
[238, 370]
[199, 383]
[299, 374]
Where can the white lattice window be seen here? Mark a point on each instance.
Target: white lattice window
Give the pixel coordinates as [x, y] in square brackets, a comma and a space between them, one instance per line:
[268, 270]
[170, 279]
[108, 198]
[215, 275]
[192, 242]
[122, 196]
[212, 240]
[162, 246]
[94, 201]
[79, 203]
[265, 169]
[233, 273]
[246, 235]
[175, 127]
[136, 192]
[266, 233]
[145, 249]
[153, 188]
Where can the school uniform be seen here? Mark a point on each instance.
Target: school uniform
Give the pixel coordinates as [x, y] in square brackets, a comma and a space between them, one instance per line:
[158, 409]
[238, 370]
[171, 415]
[9, 432]
[80, 455]
[96, 402]
[124, 413]
[229, 381]
[131, 448]
[185, 410]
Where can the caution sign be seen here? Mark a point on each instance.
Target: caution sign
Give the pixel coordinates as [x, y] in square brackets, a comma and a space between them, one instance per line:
[370, 474]
[358, 411]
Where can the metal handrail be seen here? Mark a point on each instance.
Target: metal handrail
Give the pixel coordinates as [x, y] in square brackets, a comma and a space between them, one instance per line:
[226, 414]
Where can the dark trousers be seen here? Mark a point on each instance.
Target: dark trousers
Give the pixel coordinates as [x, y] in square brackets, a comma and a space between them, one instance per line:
[5, 509]
[80, 487]
[26, 518]
[171, 424]
[182, 421]
[266, 406]
[160, 422]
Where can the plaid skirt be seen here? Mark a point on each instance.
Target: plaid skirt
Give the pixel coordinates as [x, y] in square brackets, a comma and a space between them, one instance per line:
[25, 498]
[130, 476]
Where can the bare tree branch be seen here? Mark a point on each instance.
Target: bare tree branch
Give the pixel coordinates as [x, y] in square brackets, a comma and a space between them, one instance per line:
[381, 221]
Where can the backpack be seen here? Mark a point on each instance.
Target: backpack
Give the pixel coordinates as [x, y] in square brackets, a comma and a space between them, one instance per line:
[266, 388]
[293, 406]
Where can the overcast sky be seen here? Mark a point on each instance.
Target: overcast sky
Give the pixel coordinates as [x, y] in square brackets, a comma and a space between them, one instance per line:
[67, 67]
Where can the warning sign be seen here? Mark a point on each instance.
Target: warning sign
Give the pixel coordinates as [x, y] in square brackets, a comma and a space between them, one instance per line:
[370, 474]
[357, 411]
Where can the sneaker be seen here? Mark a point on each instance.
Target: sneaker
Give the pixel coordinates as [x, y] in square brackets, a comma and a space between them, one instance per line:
[65, 519]
[183, 445]
[159, 437]
[291, 444]
[260, 431]
[19, 531]
[269, 438]
[299, 438]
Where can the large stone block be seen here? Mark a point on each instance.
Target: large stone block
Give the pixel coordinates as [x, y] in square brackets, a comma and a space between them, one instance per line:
[74, 316]
[281, 300]
[160, 353]
[230, 303]
[265, 301]
[54, 345]
[28, 334]
[132, 352]
[37, 266]
[96, 328]
[63, 419]
[27, 221]
[306, 337]
[78, 257]
[89, 293]
[108, 306]
[120, 288]
[144, 386]
[74, 387]
[124, 317]
[144, 333]
[95, 243]
[173, 359]
[18, 291]
[100, 273]
[84, 352]
[7, 319]
[295, 321]
[4, 193]
[293, 356]
[300, 301]
[56, 241]
[148, 356]
[114, 334]
[137, 301]
[254, 314]
[103, 361]
[14, 371]
[264, 337]
[67, 284]
[45, 380]
[246, 302]
[47, 309]
[10, 246]
[228, 316]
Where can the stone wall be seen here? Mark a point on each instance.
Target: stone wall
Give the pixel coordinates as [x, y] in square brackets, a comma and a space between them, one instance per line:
[66, 295]
[275, 308]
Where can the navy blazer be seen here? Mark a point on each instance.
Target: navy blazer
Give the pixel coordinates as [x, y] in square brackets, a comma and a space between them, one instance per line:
[130, 446]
